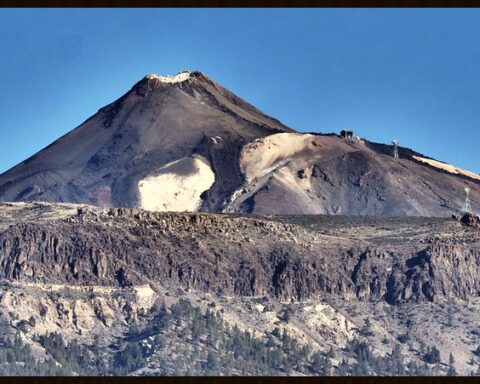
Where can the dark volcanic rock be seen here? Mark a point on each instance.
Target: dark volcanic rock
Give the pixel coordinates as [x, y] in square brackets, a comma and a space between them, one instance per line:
[252, 256]
[101, 161]
[162, 121]
[470, 220]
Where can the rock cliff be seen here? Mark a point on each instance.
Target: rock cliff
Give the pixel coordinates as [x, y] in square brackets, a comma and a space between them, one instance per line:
[396, 260]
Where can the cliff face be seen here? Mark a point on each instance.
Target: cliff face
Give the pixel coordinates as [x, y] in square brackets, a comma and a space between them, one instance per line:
[285, 257]
[94, 275]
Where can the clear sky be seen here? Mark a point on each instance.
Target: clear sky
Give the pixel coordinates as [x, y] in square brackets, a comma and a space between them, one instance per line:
[413, 75]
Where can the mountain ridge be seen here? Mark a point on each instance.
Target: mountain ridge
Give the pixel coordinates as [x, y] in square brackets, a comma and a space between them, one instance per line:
[124, 154]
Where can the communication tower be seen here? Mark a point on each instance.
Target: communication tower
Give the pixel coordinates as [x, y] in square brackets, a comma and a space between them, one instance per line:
[467, 207]
[395, 148]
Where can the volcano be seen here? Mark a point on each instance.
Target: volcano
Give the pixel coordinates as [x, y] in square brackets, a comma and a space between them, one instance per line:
[185, 143]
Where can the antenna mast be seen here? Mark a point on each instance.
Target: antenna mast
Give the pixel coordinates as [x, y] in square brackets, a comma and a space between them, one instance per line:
[395, 148]
[467, 207]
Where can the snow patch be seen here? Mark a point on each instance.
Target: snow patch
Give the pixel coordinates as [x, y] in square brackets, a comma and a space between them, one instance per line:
[448, 167]
[177, 186]
[178, 78]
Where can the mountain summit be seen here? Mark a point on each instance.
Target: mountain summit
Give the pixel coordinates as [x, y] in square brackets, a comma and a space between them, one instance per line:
[185, 143]
[170, 125]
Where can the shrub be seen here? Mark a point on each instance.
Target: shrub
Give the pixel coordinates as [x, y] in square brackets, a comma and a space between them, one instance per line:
[32, 322]
[476, 352]
[22, 325]
[403, 338]
[432, 356]
[130, 359]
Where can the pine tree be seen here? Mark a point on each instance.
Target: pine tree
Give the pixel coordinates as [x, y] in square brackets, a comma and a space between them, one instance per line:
[367, 328]
[331, 353]
[212, 362]
[432, 356]
[451, 368]
[317, 365]
[449, 316]
[342, 369]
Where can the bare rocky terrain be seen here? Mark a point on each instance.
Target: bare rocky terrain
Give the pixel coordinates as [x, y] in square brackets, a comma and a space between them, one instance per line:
[181, 231]
[155, 123]
[185, 143]
[139, 292]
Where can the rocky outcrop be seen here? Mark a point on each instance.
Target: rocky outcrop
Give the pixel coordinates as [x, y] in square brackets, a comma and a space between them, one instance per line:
[470, 220]
[246, 256]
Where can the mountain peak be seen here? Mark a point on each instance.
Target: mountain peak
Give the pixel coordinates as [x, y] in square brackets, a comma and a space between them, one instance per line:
[183, 122]
[177, 78]
[184, 142]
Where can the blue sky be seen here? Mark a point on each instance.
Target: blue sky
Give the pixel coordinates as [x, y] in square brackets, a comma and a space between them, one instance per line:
[409, 74]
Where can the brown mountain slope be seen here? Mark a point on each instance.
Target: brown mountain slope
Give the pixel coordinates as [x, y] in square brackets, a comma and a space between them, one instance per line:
[158, 121]
[184, 143]
[304, 173]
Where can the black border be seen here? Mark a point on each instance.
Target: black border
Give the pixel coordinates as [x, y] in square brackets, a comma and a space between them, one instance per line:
[242, 380]
[240, 3]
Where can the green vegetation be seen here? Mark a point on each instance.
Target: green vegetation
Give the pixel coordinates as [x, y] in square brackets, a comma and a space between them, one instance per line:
[73, 357]
[129, 360]
[288, 313]
[451, 369]
[16, 357]
[189, 342]
[432, 356]
[183, 340]
[369, 364]
[367, 328]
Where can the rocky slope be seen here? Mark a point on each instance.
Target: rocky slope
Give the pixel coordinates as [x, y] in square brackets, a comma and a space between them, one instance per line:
[289, 173]
[185, 143]
[159, 121]
[84, 271]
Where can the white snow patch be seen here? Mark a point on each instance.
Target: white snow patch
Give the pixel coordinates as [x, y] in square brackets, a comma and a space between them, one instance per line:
[177, 186]
[448, 167]
[178, 78]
